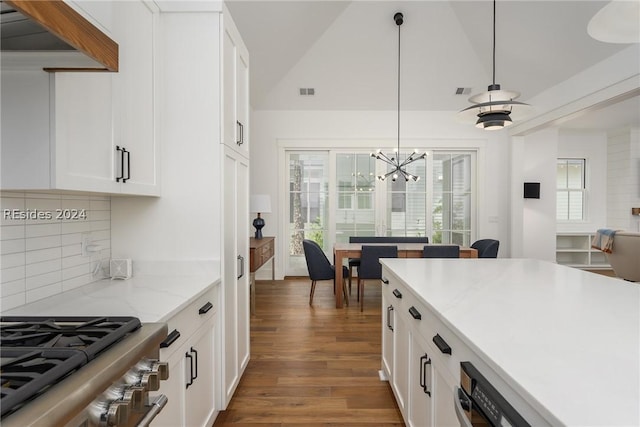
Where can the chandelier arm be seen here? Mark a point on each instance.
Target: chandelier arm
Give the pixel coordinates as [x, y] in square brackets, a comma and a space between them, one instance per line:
[384, 158]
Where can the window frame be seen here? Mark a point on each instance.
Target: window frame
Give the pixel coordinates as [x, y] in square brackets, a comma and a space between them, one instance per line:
[584, 190]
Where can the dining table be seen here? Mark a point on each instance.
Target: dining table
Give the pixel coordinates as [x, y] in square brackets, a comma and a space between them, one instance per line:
[405, 250]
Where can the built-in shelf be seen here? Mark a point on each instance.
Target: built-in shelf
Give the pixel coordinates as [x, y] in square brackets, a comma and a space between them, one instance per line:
[574, 250]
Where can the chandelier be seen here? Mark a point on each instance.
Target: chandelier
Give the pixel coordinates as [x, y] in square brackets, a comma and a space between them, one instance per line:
[398, 168]
[494, 107]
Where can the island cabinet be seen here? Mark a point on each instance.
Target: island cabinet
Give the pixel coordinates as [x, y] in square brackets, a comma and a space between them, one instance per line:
[189, 350]
[419, 370]
[84, 131]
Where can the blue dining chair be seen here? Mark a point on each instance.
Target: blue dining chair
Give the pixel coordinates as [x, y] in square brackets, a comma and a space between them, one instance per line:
[487, 248]
[441, 251]
[320, 268]
[370, 267]
[355, 262]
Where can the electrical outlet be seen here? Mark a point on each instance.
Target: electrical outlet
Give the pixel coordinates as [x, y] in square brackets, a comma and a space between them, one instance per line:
[84, 242]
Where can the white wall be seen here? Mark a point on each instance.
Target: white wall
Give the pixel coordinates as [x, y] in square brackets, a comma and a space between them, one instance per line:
[184, 223]
[534, 220]
[623, 179]
[271, 129]
[591, 146]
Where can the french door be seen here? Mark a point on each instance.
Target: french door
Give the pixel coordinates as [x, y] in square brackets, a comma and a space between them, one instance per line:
[335, 194]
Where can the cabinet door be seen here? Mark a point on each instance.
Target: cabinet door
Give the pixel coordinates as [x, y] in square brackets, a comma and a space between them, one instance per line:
[172, 414]
[235, 269]
[235, 87]
[83, 133]
[242, 98]
[401, 355]
[134, 96]
[420, 411]
[242, 238]
[199, 399]
[229, 125]
[388, 321]
[443, 403]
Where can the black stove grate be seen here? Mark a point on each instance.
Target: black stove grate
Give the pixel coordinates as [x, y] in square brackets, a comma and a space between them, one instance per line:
[89, 334]
[27, 372]
[37, 352]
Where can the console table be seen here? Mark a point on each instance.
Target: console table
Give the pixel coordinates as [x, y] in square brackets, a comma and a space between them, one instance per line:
[260, 251]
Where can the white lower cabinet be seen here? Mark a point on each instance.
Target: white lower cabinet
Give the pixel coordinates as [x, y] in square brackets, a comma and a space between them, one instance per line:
[235, 288]
[387, 335]
[191, 355]
[400, 376]
[418, 371]
[443, 403]
[420, 412]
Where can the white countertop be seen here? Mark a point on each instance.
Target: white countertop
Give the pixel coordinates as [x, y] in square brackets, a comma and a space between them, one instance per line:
[567, 340]
[155, 294]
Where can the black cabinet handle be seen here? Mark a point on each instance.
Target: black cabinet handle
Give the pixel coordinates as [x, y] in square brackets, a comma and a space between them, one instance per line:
[389, 310]
[385, 280]
[193, 350]
[442, 344]
[415, 313]
[424, 361]
[205, 308]
[239, 135]
[171, 338]
[128, 165]
[241, 259]
[188, 356]
[121, 151]
[397, 293]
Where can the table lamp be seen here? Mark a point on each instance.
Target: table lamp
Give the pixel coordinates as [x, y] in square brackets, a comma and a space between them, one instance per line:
[260, 203]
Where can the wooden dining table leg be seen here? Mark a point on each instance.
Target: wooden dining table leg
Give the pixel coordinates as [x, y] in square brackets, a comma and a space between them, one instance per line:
[338, 278]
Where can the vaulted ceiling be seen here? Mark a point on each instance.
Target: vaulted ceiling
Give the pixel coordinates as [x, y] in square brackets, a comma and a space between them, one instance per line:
[347, 50]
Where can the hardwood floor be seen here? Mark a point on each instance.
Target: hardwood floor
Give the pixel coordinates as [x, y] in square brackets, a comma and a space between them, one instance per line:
[312, 366]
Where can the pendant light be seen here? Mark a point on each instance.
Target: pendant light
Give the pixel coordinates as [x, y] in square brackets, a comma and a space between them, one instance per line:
[398, 168]
[494, 107]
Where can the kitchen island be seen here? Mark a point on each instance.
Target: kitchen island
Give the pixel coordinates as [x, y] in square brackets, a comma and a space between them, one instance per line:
[562, 345]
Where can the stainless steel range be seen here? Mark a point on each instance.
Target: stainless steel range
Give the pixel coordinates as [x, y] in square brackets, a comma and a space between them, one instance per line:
[80, 371]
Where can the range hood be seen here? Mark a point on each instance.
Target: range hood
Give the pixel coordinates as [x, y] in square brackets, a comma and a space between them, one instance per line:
[51, 26]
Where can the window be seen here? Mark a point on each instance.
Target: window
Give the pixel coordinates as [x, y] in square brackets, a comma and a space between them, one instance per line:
[452, 207]
[355, 187]
[308, 189]
[571, 189]
[334, 194]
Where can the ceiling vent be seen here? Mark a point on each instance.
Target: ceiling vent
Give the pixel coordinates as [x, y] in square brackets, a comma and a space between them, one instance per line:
[307, 91]
[463, 91]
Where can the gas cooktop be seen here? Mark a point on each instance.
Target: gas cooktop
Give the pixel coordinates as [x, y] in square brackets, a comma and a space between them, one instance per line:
[37, 352]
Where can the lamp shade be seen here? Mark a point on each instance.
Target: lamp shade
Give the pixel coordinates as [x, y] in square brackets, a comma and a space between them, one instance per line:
[260, 203]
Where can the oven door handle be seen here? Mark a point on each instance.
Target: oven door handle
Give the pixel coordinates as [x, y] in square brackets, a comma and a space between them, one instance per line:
[156, 406]
[458, 396]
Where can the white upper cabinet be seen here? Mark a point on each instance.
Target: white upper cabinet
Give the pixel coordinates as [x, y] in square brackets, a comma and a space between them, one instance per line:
[85, 131]
[134, 106]
[82, 134]
[235, 88]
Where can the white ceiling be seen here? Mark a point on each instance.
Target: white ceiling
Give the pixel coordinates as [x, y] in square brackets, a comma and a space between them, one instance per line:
[347, 50]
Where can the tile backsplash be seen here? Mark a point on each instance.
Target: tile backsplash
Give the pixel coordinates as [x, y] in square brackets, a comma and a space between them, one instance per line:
[42, 238]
